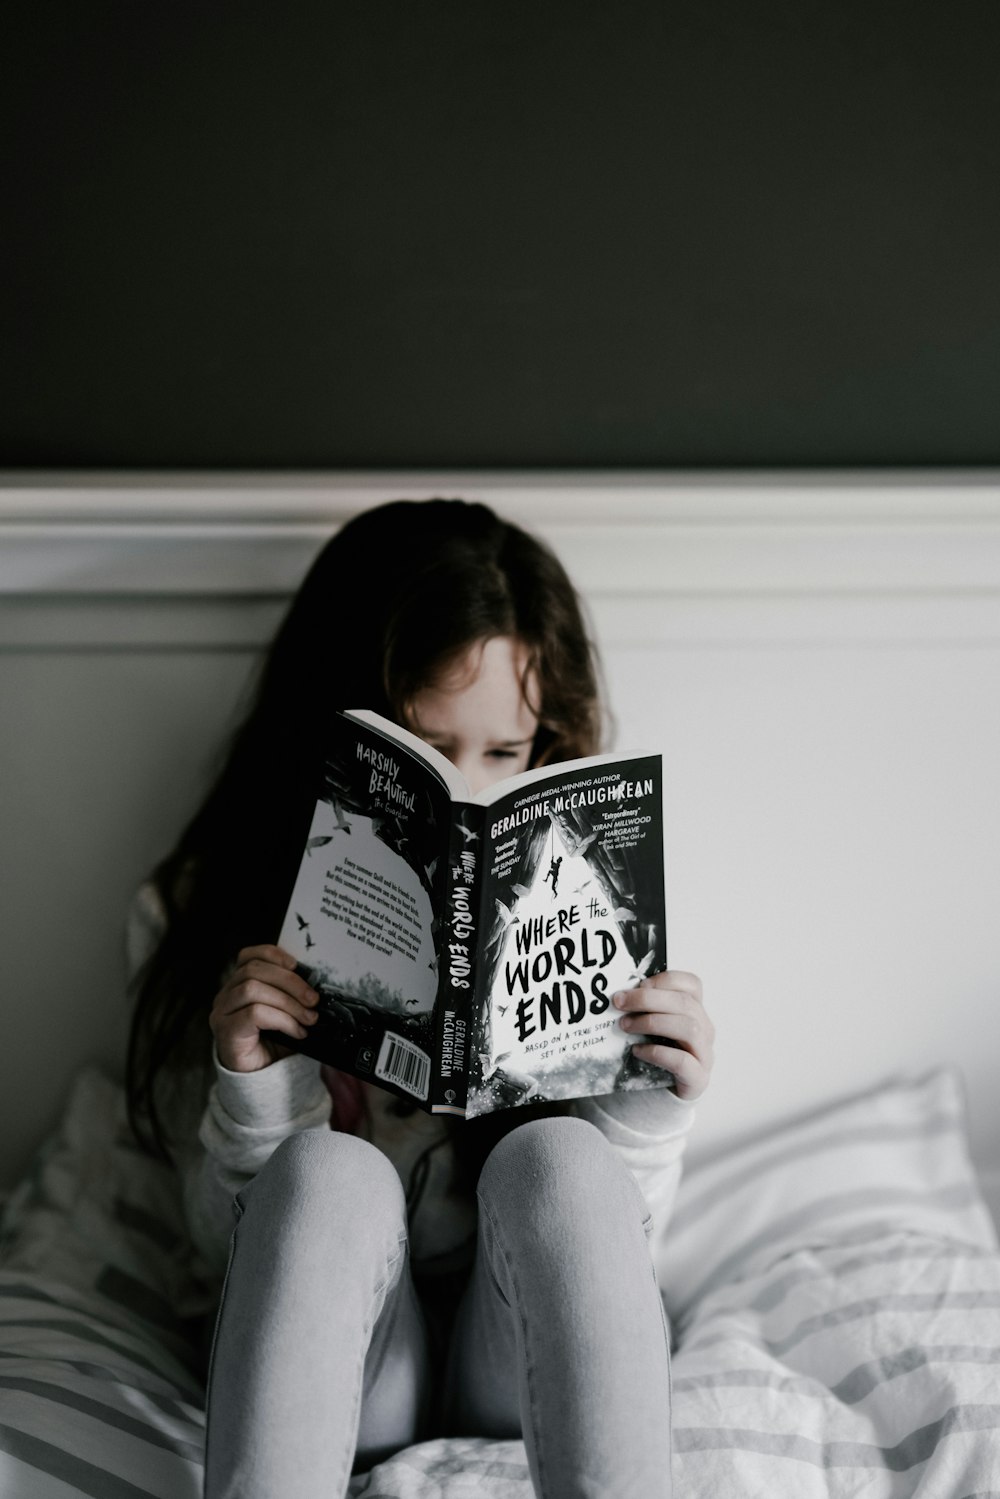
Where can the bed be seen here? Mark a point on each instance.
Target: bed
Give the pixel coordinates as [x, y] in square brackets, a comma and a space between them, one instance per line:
[833, 1287]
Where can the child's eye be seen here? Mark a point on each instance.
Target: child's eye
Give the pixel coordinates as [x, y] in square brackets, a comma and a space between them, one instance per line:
[499, 754]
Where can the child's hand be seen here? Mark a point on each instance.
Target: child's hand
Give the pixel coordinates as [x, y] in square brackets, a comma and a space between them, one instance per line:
[669, 1005]
[263, 993]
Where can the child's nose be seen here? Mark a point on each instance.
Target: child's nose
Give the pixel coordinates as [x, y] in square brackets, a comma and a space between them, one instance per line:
[474, 772]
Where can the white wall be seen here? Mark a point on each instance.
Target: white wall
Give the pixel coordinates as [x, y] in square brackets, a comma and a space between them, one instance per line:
[817, 656]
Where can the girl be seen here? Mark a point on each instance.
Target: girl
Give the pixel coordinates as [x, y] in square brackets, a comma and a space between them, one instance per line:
[393, 1276]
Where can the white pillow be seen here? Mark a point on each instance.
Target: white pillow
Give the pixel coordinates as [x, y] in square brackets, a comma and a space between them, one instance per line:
[97, 1213]
[893, 1158]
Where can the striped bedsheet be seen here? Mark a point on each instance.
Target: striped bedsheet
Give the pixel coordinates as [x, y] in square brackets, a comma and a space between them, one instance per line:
[834, 1291]
[868, 1365]
[95, 1398]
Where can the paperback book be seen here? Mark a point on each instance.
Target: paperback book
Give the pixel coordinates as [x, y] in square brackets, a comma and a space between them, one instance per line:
[466, 948]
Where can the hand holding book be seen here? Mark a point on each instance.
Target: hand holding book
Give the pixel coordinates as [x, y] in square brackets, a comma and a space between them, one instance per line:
[262, 992]
[669, 1006]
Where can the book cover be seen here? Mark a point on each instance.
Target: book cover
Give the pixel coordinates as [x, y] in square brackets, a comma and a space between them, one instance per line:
[573, 910]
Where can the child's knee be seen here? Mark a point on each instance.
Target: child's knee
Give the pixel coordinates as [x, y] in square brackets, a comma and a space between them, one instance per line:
[548, 1166]
[326, 1174]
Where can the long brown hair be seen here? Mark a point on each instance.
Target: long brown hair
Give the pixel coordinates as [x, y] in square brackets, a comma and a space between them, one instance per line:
[398, 593]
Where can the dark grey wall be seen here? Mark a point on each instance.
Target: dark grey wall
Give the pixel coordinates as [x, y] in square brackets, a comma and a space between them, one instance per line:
[426, 234]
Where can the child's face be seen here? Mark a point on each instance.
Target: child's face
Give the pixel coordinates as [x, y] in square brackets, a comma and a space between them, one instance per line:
[476, 714]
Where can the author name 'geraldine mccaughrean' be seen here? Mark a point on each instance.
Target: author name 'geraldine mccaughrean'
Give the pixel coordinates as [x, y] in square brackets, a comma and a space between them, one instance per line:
[589, 796]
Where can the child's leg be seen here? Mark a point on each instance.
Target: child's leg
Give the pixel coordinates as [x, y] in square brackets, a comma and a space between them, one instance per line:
[320, 1356]
[561, 1335]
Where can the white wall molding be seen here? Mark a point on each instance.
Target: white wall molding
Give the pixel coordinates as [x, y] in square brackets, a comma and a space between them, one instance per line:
[545, 498]
[152, 561]
[137, 623]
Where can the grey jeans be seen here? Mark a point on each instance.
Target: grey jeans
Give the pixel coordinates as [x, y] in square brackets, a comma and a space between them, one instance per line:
[321, 1360]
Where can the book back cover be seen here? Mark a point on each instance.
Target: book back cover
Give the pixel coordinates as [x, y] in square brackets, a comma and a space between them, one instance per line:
[361, 917]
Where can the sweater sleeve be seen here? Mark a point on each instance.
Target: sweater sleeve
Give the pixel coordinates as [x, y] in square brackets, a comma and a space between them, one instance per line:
[219, 1144]
[247, 1116]
[649, 1129]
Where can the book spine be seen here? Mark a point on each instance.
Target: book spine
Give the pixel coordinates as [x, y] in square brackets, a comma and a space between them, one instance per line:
[459, 939]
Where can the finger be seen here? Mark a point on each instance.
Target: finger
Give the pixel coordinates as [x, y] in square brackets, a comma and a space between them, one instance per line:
[686, 1031]
[246, 1023]
[690, 1077]
[253, 992]
[693, 1020]
[284, 979]
[676, 978]
[647, 996]
[268, 952]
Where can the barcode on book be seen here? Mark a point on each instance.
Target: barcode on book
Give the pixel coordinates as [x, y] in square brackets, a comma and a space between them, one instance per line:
[404, 1064]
